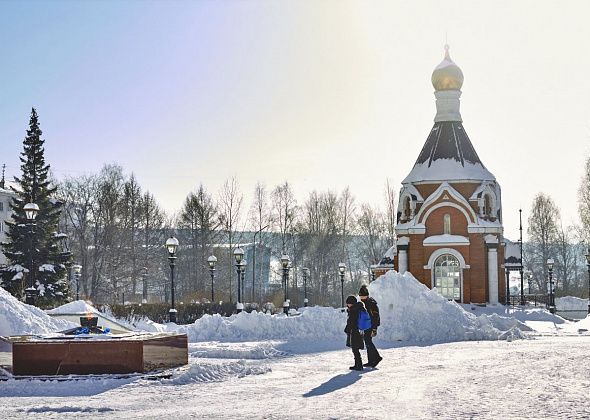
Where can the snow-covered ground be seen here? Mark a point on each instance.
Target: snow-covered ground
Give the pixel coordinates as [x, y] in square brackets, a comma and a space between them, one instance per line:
[441, 360]
[542, 378]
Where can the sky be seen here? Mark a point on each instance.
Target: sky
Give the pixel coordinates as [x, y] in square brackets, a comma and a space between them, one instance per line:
[323, 94]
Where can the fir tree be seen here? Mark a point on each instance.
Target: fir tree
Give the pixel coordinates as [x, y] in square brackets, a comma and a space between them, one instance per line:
[34, 250]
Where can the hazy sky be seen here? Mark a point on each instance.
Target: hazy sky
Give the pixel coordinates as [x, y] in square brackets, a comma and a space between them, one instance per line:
[323, 94]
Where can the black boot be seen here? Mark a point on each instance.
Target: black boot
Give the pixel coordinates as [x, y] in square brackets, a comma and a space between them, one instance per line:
[376, 362]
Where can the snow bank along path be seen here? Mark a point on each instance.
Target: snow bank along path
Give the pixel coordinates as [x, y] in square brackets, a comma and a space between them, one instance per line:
[409, 312]
[18, 318]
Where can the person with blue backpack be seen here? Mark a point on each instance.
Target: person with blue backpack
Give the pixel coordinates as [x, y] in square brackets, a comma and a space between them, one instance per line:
[358, 319]
[373, 310]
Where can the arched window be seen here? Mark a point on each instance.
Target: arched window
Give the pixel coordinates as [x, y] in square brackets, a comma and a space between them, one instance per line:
[487, 205]
[407, 209]
[447, 224]
[447, 276]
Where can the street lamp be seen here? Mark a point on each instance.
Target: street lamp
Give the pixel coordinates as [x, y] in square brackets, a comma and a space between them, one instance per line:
[305, 274]
[31, 211]
[243, 275]
[285, 260]
[529, 277]
[239, 255]
[77, 268]
[171, 246]
[342, 269]
[550, 263]
[212, 260]
[372, 268]
[588, 266]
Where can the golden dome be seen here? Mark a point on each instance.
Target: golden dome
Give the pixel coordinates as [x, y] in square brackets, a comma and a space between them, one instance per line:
[447, 75]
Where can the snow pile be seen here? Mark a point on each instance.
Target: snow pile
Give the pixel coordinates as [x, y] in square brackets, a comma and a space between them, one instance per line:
[412, 312]
[584, 324]
[208, 372]
[315, 323]
[571, 303]
[17, 318]
[409, 312]
[252, 351]
[75, 307]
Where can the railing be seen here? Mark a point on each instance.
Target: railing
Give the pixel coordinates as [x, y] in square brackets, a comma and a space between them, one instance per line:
[530, 299]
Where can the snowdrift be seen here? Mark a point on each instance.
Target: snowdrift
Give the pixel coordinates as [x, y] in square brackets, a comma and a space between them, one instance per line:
[75, 307]
[409, 312]
[571, 303]
[17, 318]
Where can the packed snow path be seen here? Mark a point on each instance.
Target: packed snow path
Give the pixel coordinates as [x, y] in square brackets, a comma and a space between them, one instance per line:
[548, 377]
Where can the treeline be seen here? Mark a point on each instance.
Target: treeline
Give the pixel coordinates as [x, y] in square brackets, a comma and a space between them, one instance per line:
[116, 231]
[548, 237]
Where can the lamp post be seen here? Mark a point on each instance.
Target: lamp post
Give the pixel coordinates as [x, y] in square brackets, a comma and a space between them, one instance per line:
[243, 275]
[31, 211]
[550, 263]
[529, 278]
[238, 256]
[171, 245]
[285, 263]
[588, 267]
[77, 268]
[144, 284]
[212, 260]
[372, 268]
[342, 269]
[305, 274]
[522, 302]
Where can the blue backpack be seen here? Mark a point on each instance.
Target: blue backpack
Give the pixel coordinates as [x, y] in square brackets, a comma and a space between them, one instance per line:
[364, 320]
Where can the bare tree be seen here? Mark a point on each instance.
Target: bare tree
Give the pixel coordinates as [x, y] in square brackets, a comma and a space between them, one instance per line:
[584, 203]
[542, 232]
[390, 197]
[284, 206]
[348, 208]
[200, 219]
[230, 205]
[372, 234]
[260, 219]
[152, 223]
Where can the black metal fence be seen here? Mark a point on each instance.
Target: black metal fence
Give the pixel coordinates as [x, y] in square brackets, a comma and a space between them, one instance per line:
[186, 313]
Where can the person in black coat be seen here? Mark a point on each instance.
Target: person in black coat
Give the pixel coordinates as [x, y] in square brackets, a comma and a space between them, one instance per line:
[371, 306]
[354, 337]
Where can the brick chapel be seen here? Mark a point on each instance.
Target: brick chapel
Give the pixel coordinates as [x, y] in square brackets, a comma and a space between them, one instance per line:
[449, 227]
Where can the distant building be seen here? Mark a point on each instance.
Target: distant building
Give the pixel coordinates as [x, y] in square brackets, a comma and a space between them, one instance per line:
[6, 196]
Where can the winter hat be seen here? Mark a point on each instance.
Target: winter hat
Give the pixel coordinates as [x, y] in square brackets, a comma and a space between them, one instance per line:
[363, 291]
[351, 299]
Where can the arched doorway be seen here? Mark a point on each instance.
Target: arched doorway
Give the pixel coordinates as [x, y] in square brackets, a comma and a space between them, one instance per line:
[447, 276]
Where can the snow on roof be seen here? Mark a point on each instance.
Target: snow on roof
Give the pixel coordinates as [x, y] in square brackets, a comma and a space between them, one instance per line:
[446, 239]
[448, 170]
[448, 154]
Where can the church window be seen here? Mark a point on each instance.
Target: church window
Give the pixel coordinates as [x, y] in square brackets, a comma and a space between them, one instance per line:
[447, 277]
[407, 210]
[447, 224]
[487, 205]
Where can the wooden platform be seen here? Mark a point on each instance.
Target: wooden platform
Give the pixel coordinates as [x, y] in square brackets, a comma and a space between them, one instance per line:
[126, 353]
